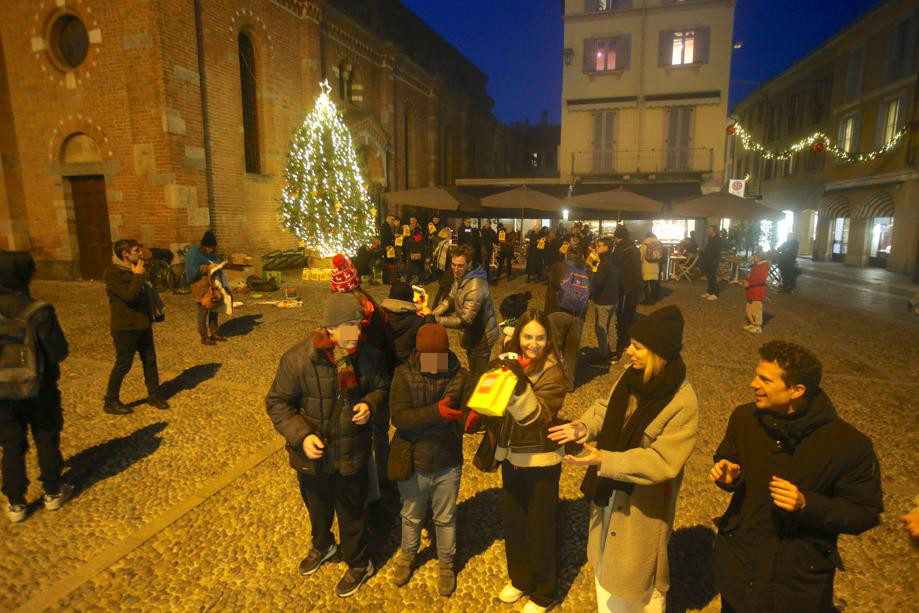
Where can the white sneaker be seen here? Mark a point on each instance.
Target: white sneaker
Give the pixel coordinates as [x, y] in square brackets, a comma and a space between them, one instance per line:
[756, 330]
[532, 607]
[16, 512]
[706, 295]
[711, 297]
[510, 594]
[53, 503]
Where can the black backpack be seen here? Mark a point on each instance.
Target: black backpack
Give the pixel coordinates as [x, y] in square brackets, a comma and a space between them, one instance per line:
[20, 359]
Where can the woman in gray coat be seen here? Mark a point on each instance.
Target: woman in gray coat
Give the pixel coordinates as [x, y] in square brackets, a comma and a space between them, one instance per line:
[643, 435]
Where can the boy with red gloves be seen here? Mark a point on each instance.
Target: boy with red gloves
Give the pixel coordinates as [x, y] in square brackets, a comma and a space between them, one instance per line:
[426, 455]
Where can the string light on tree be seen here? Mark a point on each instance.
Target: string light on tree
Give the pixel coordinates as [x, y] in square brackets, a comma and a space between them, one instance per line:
[818, 142]
[325, 202]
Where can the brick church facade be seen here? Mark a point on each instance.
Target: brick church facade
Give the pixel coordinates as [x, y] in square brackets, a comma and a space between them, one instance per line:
[159, 119]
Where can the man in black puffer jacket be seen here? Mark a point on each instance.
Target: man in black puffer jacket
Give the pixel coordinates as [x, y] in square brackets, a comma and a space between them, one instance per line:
[800, 477]
[42, 414]
[427, 392]
[321, 401]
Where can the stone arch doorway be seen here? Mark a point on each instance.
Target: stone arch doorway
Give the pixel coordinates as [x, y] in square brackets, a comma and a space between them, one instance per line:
[86, 193]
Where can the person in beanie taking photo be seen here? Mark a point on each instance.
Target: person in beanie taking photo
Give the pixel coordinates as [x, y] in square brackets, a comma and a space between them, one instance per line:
[197, 264]
[530, 463]
[321, 400]
[427, 456]
[799, 477]
[643, 434]
[131, 324]
[29, 399]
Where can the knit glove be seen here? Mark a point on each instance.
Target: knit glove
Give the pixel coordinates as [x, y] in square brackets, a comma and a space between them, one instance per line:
[522, 379]
[446, 412]
[472, 422]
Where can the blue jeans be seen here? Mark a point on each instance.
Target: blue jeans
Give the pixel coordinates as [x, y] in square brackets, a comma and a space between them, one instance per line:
[603, 327]
[437, 491]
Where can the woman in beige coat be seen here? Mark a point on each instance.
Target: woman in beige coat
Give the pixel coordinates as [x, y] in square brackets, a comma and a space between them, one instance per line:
[644, 433]
[651, 254]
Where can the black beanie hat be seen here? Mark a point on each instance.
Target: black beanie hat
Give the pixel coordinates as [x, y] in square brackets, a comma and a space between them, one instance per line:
[621, 232]
[661, 332]
[401, 291]
[208, 240]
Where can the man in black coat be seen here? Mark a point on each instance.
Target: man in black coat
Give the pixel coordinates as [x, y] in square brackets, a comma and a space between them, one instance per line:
[468, 235]
[631, 285]
[489, 242]
[41, 413]
[788, 263]
[321, 402]
[132, 330]
[708, 262]
[800, 476]
[604, 291]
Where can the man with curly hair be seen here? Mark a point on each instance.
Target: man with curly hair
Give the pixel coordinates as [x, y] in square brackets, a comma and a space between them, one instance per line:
[800, 476]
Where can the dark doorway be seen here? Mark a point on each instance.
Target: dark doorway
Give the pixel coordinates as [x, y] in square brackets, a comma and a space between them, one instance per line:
[94, 237]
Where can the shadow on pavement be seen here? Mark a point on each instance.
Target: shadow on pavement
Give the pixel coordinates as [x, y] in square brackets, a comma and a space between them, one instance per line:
[240, 326]
[188, 379]
[585, 372]
[692, 585]
[571, 543]
[88, 467]
[478, 525]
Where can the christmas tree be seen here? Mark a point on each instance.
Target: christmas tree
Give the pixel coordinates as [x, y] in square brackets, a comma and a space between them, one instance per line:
[325, 201]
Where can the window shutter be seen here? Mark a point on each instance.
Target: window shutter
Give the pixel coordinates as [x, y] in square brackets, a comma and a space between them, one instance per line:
[623, 51]
[609, 142]
[686, 126]
[854, 73]
[880, 123]
[590, 55]
[665, 51]
[703, 35]
[598, 132]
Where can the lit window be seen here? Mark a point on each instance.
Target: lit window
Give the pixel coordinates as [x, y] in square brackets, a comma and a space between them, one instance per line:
[847, 134]
[892, 110]
[606, 54]
[683, 44]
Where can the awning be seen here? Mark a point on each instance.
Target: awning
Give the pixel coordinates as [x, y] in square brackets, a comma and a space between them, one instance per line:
[616, 200]
[441, 198]
[833, 206]
[879, 204]
[523, 197]
[723, 205]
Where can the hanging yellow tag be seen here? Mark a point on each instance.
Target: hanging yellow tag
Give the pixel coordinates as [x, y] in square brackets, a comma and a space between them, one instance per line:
[541, 244]
[398, 241]
[390, 252]
[432, 229]
[502, 236]
[406, 231]
[593, 259]
[564, 248]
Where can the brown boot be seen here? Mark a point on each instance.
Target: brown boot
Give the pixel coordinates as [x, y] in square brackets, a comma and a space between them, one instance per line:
[216, 336]
[207, 340]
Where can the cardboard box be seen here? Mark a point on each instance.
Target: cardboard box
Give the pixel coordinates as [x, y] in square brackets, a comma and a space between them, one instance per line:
[241, 259]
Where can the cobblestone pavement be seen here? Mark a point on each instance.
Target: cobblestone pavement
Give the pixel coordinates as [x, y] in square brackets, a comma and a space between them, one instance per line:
[195, 509]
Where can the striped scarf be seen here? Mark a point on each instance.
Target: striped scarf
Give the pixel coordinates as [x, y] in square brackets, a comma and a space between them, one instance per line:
[341, 358]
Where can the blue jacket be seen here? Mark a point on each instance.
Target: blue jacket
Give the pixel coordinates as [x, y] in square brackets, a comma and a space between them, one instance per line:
[195, 260]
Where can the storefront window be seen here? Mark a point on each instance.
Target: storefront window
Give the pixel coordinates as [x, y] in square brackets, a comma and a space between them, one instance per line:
[881, 236]
[670, 230]
[840, 236]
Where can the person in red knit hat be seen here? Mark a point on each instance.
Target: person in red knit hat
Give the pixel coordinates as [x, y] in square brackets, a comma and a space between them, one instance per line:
[345, 280]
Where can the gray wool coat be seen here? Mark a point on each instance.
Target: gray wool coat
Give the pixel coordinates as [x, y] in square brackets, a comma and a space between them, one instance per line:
[633, 561]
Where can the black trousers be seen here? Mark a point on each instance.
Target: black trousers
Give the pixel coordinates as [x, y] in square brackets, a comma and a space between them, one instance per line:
[379, 419]
[789, 277]
[530, 497]
[505, 260]
[711, 274]
[486, 262]
[414, 269]
[329, 494]
[625, 317]
[127, 343]
[652, 291]
[207, 321]
[389, 271]
[43, 416]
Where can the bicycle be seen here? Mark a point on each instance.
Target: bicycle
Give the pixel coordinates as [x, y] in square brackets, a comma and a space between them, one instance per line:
[178, 282]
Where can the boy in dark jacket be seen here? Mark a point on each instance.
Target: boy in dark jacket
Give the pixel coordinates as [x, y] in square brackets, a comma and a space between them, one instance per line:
[402, 320]
[708, 262]
[132, 331]
[800, 477]
[42, 414]
[426, 394]
[321, 401]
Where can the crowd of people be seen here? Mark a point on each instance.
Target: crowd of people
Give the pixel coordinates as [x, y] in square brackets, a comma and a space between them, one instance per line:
[797, 473]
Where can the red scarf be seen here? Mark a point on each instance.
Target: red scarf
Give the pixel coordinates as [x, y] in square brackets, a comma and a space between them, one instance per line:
[347, 376]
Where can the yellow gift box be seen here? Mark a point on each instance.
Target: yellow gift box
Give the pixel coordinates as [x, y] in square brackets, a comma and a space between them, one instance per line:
[493, 392]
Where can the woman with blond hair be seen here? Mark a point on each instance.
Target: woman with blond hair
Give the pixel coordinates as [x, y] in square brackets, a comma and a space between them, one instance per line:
[643, 435]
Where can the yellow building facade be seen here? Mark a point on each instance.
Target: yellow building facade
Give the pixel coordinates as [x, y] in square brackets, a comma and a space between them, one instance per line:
[644, 96]
[859, 88]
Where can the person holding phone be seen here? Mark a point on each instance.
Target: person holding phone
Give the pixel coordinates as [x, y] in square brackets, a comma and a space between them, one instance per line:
[636, 444]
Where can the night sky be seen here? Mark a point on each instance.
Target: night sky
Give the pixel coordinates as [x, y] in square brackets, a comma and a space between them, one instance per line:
[518, 44]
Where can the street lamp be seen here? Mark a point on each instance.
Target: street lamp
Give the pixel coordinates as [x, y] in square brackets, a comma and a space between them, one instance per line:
[568, 53]
[565, 214]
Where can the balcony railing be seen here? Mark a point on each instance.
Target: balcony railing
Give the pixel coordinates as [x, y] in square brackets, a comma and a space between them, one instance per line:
[646, 161]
